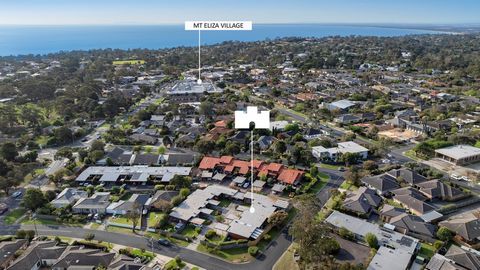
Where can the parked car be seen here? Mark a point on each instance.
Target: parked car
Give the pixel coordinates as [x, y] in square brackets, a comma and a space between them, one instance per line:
[455, 177]
[164, 242]
[16, 194]
[3, 208]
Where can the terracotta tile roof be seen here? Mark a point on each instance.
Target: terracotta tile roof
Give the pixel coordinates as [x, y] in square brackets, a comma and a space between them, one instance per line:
[274, 167]
[289, 176]
[226, 159]
[221, 123]
[257, 164]
[208, 163]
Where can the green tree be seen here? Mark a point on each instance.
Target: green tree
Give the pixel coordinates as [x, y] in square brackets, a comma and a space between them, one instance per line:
[33, 199]
[444, 234]
[9, 151]
[371, 240]
[278, 218]
[181, 181]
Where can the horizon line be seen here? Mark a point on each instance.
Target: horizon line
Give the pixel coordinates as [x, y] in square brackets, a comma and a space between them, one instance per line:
[261, 23]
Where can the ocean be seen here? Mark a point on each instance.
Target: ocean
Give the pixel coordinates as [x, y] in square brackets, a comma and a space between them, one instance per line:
[18, 40]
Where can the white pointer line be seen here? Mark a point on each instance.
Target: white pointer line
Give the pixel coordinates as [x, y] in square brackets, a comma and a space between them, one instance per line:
[199, 81]
[252, 209]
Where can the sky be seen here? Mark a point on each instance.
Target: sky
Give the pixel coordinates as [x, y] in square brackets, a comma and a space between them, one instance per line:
[133, 12]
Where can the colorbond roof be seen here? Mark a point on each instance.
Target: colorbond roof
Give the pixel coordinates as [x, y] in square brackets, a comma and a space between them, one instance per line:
[137, 173]
[459, 151]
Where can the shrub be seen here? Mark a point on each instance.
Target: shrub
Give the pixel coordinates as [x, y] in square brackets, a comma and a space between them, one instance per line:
[253, 250]
[267, 237]
[438, 244]
[345, 233]
[210, 234]
[159, 187]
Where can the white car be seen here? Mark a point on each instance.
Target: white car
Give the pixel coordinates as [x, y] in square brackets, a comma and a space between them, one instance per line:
[455, 177]
[464, 178]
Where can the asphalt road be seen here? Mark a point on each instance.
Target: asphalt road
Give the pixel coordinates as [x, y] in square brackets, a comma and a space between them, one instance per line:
[265, 261]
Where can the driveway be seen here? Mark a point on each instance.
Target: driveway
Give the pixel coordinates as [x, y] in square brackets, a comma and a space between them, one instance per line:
[351, 252]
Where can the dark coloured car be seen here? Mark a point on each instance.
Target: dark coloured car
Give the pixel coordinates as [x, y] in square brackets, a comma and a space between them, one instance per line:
[164, 242]
[3, 208]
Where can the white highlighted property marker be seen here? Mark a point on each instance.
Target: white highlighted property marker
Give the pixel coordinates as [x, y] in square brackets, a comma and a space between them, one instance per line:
[215, 26]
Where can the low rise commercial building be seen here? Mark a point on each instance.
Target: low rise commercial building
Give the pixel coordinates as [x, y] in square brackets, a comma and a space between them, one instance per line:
[459, 154]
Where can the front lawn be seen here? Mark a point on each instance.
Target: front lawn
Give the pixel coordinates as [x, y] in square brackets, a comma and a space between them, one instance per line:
[190, 231]
[329, 166]
[287, 261]
[348, 186]
[172, 264]
[123, 220]
[153, 219]
[14, 215]
[236, 255]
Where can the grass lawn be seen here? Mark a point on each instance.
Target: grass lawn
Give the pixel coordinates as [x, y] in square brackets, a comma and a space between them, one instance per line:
[153, 219]
[122, 220]
[42, 140]
[321, 182]
[236, 255]
[224, 203]
[330, 166]
[128, 62]
[13, 215]
[393, 203]
[411, 154]
[287, 262]
[139, 253]
[426, 251]
[49, 222]
[172, 264]
[94, 226]
[348, 186]
[190, 231]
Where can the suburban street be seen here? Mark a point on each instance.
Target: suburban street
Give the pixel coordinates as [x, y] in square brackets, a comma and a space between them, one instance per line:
[264, 261]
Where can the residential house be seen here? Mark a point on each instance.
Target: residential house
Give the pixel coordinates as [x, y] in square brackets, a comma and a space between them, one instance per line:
[465, 225]
[347, 119]
[67, 197]
[312, 133]
[362, 201]
[383, 183]
[131, 174]
[264, 142]
[38, 255]
[413, 225]
[8, 251]
[394, 247]
[458, 258]
[135, 202]
[161, 197]
[410, 199]
[408, 176]
[76, 257]
[142, 138]
[435, 189]
[335, 153]
[341, 105]
[96, 204]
